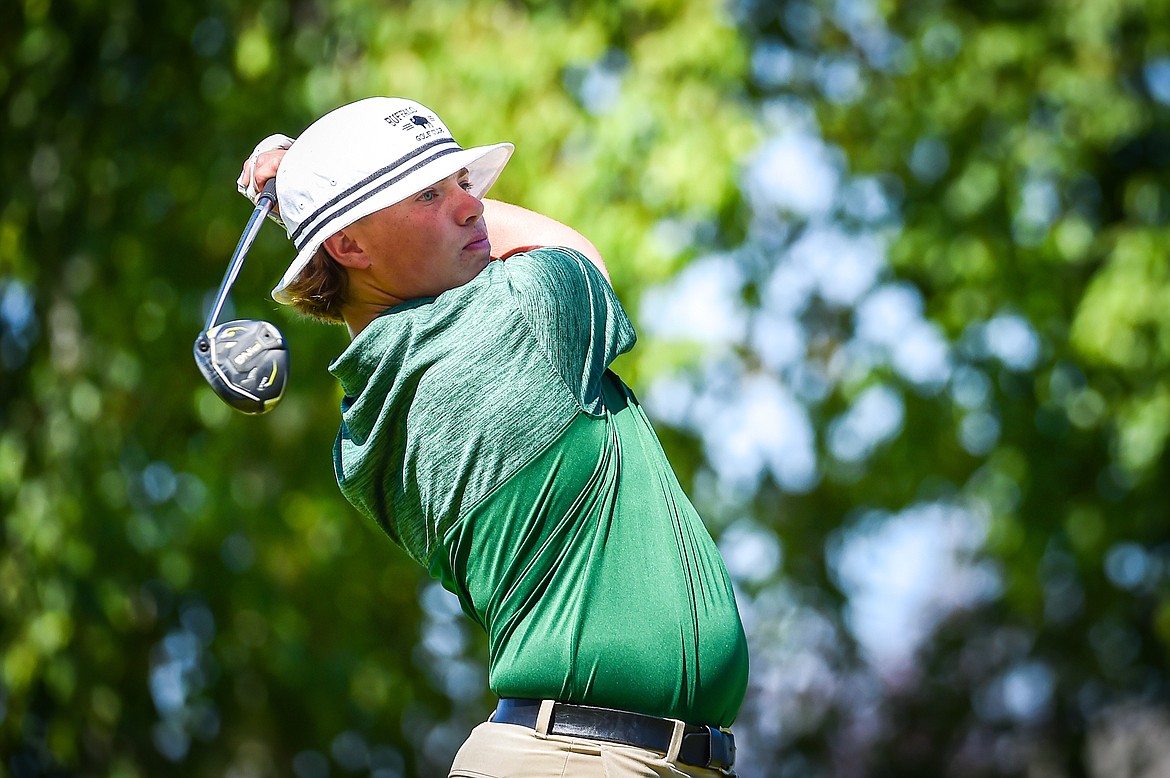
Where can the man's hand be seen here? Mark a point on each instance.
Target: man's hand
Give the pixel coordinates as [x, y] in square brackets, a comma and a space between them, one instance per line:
[260, 167]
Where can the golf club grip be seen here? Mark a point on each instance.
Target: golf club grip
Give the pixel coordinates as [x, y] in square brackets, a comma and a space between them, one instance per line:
[268, 194]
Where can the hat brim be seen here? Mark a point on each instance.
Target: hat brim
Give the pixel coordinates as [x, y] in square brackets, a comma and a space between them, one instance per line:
[484, 165]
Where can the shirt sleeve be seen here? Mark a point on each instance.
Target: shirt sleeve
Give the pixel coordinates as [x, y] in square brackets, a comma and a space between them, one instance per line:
[574, 314]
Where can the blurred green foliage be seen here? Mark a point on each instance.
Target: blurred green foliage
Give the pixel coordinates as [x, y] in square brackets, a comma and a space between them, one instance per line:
[1025, 148]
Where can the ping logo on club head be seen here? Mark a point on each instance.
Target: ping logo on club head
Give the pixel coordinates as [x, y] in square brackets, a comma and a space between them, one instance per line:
[248, 353]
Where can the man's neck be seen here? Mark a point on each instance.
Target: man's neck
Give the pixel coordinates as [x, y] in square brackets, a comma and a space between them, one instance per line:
[359, 313]
[356, 321]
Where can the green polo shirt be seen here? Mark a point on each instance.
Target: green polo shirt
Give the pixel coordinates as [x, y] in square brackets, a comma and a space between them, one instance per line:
[484, 433]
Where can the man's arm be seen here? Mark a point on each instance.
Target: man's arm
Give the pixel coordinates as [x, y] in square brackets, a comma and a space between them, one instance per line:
[511, 227]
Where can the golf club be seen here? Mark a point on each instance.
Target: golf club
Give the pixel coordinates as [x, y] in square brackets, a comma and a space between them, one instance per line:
[245, 361]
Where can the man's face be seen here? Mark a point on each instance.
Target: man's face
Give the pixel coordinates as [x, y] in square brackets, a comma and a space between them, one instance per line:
[430, 242]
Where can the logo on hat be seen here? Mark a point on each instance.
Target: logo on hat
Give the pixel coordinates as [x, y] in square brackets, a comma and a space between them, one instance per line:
[425, 126]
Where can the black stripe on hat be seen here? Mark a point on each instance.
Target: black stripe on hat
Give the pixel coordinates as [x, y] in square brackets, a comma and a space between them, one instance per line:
[324, 215]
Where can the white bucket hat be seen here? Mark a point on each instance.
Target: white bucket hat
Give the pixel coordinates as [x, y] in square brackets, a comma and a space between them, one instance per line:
[363, 157]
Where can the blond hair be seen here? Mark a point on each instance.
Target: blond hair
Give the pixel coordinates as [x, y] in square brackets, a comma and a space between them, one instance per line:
[319, 289]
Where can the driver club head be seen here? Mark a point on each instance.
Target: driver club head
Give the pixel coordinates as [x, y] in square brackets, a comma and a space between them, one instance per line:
[246, 362]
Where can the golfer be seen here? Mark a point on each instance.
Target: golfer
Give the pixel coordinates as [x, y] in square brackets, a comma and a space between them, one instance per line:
[483, 431]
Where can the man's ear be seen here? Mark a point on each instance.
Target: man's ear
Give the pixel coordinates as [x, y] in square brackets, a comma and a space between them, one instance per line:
[346, 251]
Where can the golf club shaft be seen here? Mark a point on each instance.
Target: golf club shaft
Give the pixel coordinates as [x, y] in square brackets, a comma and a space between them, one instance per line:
[264, 204]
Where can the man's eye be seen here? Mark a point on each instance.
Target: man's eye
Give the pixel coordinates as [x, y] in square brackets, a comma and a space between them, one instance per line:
[466, 185]
[427, 196]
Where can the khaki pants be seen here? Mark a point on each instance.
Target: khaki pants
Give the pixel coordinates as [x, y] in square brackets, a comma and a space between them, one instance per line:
[510, 751]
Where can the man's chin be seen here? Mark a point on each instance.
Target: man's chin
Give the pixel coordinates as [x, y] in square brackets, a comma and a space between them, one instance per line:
[478, 256]
[476, 265]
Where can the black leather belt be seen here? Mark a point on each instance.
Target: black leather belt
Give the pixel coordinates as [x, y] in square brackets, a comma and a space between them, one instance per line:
[701, 746]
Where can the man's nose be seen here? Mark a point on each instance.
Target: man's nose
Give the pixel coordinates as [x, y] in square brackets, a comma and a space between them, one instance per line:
[470, 207]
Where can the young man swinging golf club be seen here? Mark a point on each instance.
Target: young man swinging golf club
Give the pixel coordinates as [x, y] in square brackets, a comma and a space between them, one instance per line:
[483, 432]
